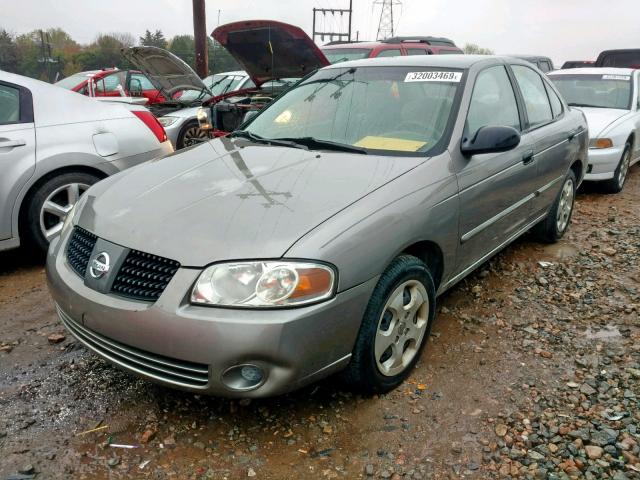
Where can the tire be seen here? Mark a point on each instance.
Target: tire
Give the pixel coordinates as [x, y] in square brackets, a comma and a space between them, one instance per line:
[616, 184]
[43, 223]
[406, 280]
[190, 135]
[555, 224]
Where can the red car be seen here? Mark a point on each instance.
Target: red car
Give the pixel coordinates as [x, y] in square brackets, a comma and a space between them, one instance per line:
[392, 47]
[112, 82]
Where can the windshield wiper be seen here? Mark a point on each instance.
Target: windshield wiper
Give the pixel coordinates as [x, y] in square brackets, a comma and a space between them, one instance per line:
[267, 141]
[586, 105]
[313, 143]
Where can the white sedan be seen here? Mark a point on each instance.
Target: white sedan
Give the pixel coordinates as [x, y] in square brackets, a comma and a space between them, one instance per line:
[610, 99]
[54, 144]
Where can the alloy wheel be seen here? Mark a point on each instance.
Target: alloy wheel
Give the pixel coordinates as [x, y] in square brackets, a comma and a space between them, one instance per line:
[56, 207]
[624, 168]
[193, 136]
[565, 206]
[401, 328]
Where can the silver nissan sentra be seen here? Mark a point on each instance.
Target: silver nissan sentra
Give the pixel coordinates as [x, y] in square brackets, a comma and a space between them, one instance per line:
[317, 237]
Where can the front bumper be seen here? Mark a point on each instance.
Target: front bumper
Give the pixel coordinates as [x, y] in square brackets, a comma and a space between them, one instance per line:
[180, 345]
[603, 163]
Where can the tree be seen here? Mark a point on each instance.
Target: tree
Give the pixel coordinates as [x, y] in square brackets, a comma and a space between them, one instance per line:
[473, 49]
[155, 39]
[8, 52]
[184, 47]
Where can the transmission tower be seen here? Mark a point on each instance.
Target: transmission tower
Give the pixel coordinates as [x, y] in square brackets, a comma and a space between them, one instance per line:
[385, 26]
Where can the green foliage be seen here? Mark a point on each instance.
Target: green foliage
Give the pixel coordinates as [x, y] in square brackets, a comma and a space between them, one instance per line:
[8, 52]
[183, 46]
[155, 39]
[473, 49]
[219, 59]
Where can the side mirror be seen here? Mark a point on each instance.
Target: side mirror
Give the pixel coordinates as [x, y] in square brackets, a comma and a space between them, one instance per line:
[491, 139]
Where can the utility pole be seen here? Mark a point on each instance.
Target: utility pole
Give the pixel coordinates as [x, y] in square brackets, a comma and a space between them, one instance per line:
[333, 12]
[385, 26]
[200, 38]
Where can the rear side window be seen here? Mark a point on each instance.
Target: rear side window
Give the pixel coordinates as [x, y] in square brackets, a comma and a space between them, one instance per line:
[534, 94]
[392, 52]
[544, 66]
[9, 105]
[417, 51]
[492, 102]
[556, 104]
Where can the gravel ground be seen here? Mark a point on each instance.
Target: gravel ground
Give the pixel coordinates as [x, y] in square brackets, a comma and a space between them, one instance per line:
[532, 371]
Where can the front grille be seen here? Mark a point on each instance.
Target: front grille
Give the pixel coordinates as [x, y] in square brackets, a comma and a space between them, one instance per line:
[144, 276]
[170, 370]
[79, 249]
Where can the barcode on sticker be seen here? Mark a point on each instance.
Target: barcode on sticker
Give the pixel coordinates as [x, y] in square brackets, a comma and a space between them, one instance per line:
[624, 78]
[433, 77]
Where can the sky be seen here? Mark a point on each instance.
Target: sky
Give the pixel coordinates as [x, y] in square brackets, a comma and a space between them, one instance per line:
[560, 29]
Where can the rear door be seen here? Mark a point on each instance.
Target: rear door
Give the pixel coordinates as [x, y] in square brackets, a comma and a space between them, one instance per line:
[17, 148]
[553, 135]
[496, 189]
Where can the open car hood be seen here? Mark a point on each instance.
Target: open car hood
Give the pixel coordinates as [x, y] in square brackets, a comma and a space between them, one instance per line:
[166, 71]
[269, 50]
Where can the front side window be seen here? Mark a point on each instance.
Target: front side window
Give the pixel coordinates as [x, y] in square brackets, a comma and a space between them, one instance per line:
[493, 102]
[392, 52]
[376, 108]
[109, 83]
[534, 94]
[337, 55]
[417, 51]
[9, 105]
[141, 82]
[544, 66]
[597, 91]
[72, 81]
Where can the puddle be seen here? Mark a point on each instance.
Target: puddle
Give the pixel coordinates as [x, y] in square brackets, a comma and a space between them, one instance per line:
[608, 333]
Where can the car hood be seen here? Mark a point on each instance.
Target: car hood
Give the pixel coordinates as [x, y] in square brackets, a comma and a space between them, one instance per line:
[600, 118]
[166, 71]
[231, 199]
[269, 50]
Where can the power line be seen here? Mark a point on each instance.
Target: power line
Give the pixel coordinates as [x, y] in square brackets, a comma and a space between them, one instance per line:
[322, 30]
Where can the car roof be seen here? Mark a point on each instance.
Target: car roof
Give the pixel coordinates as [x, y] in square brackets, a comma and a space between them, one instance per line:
[595, 71]
[444, 61]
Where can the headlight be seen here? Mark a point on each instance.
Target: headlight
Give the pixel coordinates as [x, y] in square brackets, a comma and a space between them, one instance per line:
[166, 121]
[601, 143]
[204, 118]
[263, 284]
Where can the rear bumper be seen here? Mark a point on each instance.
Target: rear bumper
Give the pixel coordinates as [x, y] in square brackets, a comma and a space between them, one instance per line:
[189, 347]
[603, 163]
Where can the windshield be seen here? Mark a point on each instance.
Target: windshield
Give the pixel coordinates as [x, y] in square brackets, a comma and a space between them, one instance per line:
[72, 81]
[337, 55]
[620, 59]
[375, 108]
[221, 84]
[601, 90]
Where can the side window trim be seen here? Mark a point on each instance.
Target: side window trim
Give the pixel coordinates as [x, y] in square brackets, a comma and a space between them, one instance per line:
[541, 125]
[521, 115]
[551, 90]
[26, 103]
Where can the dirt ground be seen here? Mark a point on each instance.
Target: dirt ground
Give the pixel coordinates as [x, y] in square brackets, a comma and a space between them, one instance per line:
[532, 371]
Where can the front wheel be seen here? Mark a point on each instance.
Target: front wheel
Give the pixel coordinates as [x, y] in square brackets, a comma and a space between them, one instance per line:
[555, 224]
[190, 135]
[395, 327]
[616, 184]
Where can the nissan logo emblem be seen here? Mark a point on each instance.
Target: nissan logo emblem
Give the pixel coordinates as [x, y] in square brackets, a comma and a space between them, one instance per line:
[99, 265]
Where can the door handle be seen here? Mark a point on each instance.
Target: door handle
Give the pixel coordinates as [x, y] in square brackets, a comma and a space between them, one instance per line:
[12, 143]
[527, 157]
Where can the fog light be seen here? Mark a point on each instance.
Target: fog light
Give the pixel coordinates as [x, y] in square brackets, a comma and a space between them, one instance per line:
[243, 377]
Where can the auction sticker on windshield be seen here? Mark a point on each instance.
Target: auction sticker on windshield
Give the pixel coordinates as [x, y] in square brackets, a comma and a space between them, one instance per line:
[433, 77]
[616, 77]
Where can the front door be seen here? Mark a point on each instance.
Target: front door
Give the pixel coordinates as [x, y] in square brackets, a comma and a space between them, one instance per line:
[495, 189]
[17, 149]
